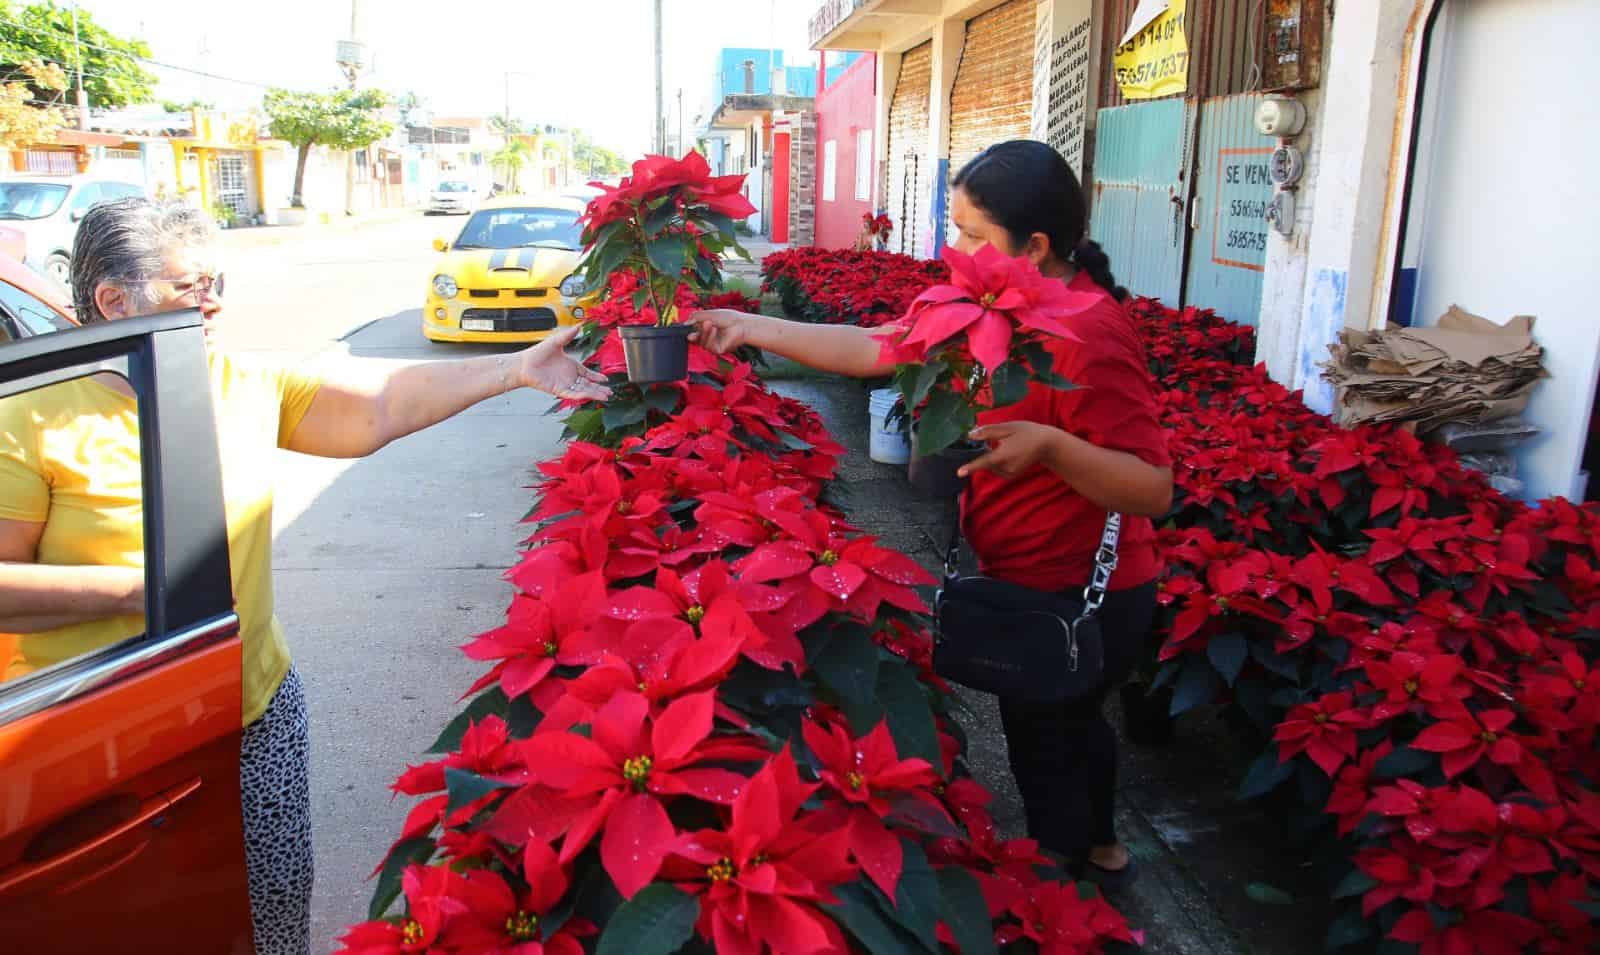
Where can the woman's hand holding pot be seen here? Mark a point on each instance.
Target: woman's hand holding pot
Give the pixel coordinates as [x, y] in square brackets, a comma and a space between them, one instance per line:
[721, 330]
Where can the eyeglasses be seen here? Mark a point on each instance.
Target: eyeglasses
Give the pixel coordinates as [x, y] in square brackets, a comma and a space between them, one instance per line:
[199, 287]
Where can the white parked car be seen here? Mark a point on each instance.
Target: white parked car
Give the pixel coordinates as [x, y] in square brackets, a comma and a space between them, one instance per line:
[46, 210]
[452, 196]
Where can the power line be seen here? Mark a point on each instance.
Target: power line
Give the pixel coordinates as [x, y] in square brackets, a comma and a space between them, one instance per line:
[43, 31]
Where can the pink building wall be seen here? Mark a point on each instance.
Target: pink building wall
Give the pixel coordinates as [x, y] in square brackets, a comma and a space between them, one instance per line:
[844, 107]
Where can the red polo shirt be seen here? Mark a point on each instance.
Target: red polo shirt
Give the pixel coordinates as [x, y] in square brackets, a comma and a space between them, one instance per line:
[1034, 529]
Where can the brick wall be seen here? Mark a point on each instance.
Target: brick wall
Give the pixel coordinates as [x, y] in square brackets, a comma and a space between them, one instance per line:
[803, 160]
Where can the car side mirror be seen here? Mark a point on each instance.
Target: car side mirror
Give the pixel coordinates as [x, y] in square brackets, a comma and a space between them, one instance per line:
[76, 214]
[440, 245]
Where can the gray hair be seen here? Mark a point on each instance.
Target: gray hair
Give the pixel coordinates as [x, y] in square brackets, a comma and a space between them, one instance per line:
[125, 242]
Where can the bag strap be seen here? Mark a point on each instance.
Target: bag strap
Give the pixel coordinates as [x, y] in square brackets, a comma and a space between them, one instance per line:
[1105, 559]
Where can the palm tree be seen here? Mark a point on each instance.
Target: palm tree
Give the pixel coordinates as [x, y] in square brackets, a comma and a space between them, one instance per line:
[504, 125]
[511, 157]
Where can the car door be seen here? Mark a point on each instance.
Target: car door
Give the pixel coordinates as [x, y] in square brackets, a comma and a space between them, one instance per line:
[120, 823]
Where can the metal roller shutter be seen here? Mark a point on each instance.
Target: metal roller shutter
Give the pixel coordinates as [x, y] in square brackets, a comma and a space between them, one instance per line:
[992, 100]
[909, 165]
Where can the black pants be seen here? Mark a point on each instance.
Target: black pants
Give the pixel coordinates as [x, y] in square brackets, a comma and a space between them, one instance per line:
[1064, 756]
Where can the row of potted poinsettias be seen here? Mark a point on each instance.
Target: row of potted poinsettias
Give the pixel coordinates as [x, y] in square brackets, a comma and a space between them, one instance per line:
[1418, 653]
[840, 285]
[709, 722]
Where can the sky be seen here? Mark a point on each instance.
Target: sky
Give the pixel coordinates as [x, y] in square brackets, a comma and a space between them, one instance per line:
[580, 63]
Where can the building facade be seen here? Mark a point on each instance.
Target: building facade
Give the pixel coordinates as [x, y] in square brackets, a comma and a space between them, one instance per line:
[846, 165]
[1297, 165]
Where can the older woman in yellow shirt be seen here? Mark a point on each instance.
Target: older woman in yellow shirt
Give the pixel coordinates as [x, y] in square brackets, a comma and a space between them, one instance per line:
[71, 531]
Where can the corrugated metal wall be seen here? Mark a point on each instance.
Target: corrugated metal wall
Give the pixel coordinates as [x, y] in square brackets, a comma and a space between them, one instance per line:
[1232, 189]
[992, 100]
[910, 166]
[1139, 208]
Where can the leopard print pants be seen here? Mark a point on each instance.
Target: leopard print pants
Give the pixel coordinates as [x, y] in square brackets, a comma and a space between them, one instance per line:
[274, 777]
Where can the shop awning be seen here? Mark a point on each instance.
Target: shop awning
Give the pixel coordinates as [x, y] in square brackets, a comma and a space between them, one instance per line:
[865, 24]
[742, 109]
[79, 137]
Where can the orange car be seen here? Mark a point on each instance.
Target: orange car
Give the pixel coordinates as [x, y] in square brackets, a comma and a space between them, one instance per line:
[120, 821]
[29, 304]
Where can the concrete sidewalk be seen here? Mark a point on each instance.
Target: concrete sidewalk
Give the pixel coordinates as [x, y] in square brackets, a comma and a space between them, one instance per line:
[1202, 854]
[321, 224]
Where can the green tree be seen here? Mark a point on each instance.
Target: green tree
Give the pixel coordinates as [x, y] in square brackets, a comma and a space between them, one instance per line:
[342, 119]
[183, 106]
[588, 158]
[410, 106]
[504, 125]
[512, 157]
[22, 119]
[113, 74]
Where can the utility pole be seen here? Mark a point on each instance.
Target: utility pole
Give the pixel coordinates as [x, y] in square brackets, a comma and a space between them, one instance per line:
[681, 149]
[661, 117]
[77, 54]
[351, 58]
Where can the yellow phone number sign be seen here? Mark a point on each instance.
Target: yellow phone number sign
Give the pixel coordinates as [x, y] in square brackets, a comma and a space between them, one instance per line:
[1155, 61]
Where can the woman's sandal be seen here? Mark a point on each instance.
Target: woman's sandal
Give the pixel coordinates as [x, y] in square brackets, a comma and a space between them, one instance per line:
[1109, 880]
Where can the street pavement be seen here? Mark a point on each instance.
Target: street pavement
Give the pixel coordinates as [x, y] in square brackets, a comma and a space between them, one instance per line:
[385, 565]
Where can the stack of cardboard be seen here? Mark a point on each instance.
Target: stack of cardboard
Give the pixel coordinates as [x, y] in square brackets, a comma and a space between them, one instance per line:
[1466, 369]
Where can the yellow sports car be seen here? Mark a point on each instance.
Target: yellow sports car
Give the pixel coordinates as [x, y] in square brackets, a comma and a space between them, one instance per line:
[509, 276]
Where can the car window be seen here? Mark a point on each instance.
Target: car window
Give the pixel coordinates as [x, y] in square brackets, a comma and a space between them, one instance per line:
[119, 190]
[87, 195]
[70, 461]
[521, 227]
[35, 317]
[452, 187]
[30, 200]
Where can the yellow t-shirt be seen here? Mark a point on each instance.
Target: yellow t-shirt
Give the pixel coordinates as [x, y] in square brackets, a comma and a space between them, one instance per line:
[69, 457]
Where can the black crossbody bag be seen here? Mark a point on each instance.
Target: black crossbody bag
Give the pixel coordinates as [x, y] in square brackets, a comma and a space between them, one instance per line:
[1021, 643]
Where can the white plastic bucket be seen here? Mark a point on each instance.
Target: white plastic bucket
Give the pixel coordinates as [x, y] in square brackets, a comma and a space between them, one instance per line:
[887, 443]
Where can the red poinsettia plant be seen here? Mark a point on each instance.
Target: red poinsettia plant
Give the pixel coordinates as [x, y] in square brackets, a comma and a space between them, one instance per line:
[669, 223]
[878, 226]
[976, 342]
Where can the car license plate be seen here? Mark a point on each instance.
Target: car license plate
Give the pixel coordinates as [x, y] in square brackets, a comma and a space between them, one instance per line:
[477, 324]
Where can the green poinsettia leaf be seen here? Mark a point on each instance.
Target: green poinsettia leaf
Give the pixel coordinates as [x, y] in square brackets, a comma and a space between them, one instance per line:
[962, 906]
[1267, 894]
[1354, 884]
[918, 380]
[944, 420]
[1347, 930]
[1009, 384]
[669, 254]
[1228, 653]
[491, 702]
[865, 920]
[1198, 684]
[466, 787]
[1266, 774]
[660, 218]
[622, 414]
[846, 663]
[404, 856]
[656, 921]
[905, 705]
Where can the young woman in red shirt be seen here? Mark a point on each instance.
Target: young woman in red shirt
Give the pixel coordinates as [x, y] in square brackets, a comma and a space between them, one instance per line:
[1058, 462]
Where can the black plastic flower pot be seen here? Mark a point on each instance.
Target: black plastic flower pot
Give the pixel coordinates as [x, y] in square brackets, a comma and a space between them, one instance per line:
[935, 475]
[1147, 714]
[656, 353]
